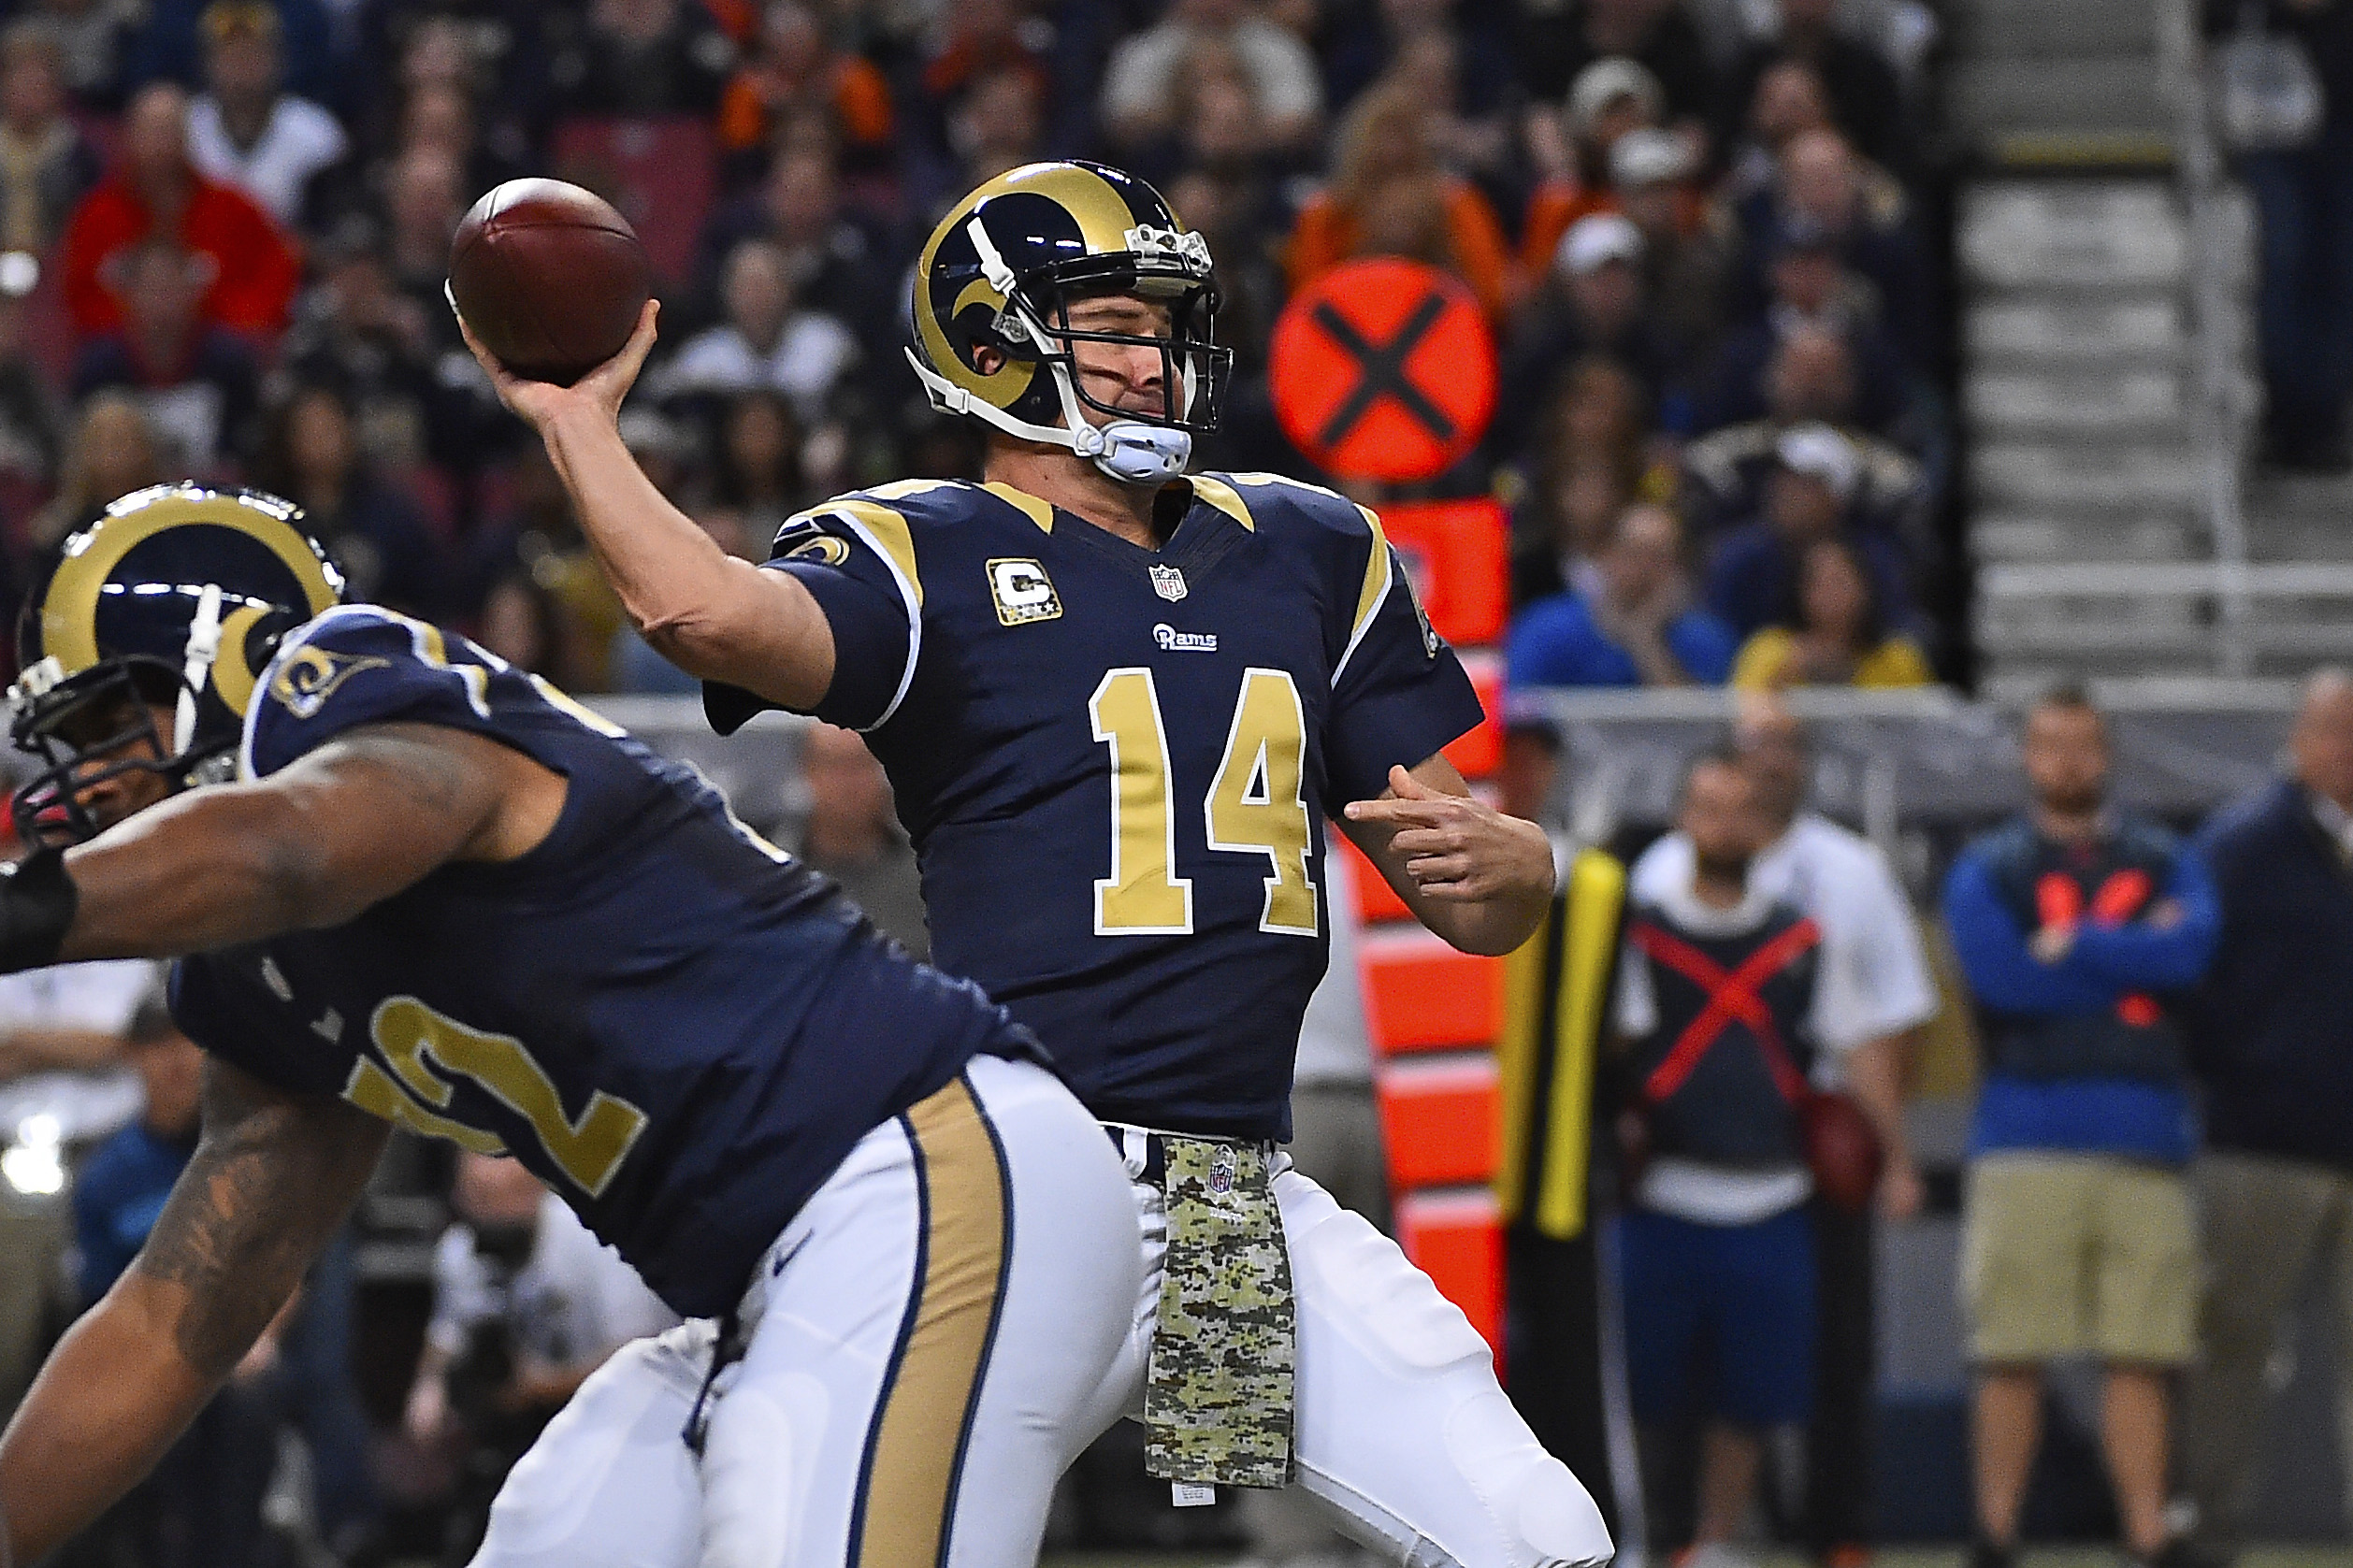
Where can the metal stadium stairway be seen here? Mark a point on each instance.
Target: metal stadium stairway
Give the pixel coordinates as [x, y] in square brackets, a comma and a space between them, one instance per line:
[2106, 270]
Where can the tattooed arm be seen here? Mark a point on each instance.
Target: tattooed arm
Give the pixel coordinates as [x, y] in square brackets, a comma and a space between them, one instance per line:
[273, 1176]
[312, 845]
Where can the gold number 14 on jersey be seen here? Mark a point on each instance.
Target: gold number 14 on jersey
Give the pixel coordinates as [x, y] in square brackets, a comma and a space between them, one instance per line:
[1257, 804]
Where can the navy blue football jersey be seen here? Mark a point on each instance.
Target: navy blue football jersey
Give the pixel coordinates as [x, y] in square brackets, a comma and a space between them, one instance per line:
[676, 1026]
[1115, 762]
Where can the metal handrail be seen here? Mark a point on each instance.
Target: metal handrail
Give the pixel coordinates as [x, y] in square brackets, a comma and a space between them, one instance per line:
[2213, 415]
[2244, 581]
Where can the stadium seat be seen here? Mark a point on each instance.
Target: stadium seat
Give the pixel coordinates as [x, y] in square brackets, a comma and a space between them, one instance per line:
[1457, 553]
[1478, 754]
[1456, 1238]
[1421, 995]
[1438, 1119]
[661, 174]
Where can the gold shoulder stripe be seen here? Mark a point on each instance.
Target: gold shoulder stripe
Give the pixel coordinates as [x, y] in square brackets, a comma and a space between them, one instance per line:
[1368, 598]
[1030, 507]
[888, 531]
[900, 489]
[1224, 496]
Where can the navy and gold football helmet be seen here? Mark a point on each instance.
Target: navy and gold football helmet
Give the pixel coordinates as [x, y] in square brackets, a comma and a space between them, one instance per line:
[175, 598]
[1000, 272]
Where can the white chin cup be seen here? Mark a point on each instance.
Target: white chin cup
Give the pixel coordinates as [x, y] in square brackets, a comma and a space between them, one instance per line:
[1134, 452]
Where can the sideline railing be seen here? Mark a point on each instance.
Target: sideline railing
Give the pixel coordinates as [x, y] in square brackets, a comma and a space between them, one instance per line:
[2215, 229]
[1885, 760]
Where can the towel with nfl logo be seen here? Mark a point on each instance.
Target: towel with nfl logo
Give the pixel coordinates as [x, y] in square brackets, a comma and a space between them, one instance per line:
[1218, 1398]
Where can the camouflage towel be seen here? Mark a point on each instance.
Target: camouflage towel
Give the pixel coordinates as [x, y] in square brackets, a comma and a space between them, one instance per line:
[1218, 1398]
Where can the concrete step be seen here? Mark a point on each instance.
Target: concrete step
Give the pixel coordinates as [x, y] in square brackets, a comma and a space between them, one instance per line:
[2274, 539]
[2001, 538]
[2084, 476]
[2098, 92]
[2149, 403]
[2077, 331]
[1987, 27]
[2301, 499]
[2104, 235]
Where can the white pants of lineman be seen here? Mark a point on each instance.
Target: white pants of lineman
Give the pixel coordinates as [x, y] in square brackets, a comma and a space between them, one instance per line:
[1403, 1434]
[921, 1348]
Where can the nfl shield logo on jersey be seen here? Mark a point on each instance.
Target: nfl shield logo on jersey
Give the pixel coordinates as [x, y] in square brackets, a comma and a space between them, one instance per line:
[1168, 582]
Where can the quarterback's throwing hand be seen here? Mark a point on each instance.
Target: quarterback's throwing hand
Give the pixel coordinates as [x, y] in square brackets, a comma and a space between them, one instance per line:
[600, 391]
[1457, 848]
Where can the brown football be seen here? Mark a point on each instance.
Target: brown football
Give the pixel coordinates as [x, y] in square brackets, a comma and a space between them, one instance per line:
[550, 277]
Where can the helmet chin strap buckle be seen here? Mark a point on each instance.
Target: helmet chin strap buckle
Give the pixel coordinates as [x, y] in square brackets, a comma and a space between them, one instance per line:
[1134, 452]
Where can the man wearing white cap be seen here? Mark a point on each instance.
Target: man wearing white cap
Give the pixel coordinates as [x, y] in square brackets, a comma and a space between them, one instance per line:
[1809, 496]
[1686, 264]
[1611, 100]
[1595, 303]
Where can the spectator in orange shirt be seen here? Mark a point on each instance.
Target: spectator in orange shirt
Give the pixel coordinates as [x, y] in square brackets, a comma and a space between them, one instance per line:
[793, 67]
[156, 190]
[1388, 197]
[1609, 100]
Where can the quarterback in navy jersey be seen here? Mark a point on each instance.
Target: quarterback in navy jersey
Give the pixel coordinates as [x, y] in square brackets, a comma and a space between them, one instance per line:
[1118, 702]
[1116, 763]
[427, 890]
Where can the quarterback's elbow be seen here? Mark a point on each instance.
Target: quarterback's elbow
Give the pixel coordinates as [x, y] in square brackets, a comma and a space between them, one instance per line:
[1487, 930]
[692, 639]
[721, 647]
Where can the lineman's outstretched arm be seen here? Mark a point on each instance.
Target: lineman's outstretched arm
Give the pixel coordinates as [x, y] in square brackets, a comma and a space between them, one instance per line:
[709, 613]
[271, 1179]
[348, 825]
[1476, 876]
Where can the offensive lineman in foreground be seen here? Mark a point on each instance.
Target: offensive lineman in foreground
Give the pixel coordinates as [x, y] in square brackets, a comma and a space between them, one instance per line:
[1116, 704]
[445, 897]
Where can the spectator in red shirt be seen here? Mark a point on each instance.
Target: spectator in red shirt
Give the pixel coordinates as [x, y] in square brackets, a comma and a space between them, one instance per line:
[196, 380]
[156, 191]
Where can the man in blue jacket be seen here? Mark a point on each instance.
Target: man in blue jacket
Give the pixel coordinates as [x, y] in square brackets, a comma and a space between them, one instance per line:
[2073, 921]
[2271, 1038]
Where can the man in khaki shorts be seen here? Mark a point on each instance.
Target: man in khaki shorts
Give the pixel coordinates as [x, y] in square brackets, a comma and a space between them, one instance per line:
[2072, 922]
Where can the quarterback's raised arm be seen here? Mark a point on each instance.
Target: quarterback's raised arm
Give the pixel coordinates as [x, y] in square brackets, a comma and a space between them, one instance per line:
[1476, 876]
[709, 613]
[347, 825]
[271, 1179]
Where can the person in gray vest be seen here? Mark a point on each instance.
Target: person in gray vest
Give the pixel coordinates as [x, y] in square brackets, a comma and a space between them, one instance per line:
[2271, 1039]
[1870, 948]
[1721, 1018]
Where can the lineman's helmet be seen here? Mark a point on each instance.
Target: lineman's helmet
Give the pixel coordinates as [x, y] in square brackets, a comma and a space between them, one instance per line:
[1000, 271]
[177, 597]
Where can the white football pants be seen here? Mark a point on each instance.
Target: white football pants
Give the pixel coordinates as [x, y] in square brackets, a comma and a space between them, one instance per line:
[1403, 1436]
[922, 1344]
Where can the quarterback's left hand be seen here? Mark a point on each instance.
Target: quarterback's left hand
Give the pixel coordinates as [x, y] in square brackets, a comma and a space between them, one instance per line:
[1457, 848]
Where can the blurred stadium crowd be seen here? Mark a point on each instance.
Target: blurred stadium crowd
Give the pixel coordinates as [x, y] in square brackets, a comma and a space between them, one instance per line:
[1698, 228]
